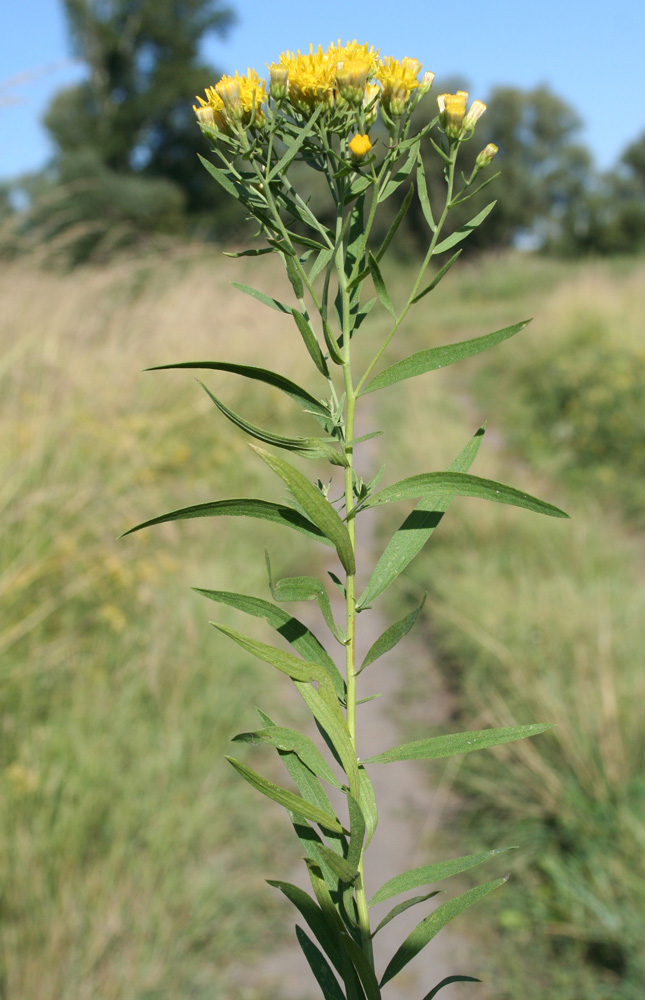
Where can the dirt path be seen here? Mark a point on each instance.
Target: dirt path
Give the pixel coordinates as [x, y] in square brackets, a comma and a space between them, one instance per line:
[411, 814]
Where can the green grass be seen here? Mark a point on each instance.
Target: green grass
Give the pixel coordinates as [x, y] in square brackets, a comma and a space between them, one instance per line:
[539, 620]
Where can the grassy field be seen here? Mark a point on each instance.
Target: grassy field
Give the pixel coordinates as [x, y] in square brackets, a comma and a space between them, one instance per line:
[129, 857]
[541, 620]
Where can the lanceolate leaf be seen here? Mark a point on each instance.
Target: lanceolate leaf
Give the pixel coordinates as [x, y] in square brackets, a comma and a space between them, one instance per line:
[302, 640]
[310, 342]
[440, 357]
[415, 531]
[446, 982]
[427, 874]
[242, 507]
[451, 484]
[426, 930]
[313, 448]
[308, 402]
[327, 712]
[314, 916]
[288, 799]
[391, 637]
[292, 741]
[465, 231]
[320, 967]
[294, 146]
[456, 743]
[368, 803]
[398, 219]
[437, 278]
[266, 300]
[402, 907]
[316, 506]
[345, 871]
[380, 286]
[299, 670]
[304, 588]
[357, 832]
[423, 193]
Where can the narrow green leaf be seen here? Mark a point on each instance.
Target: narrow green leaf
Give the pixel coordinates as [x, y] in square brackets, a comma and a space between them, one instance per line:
[440, 357]
[460, 484]
[427, 874]
[315, 406]
[461, 234]
[356, 831]
[456, 743]
[437, 278]
[299, 670]
[252, 252]
[310, 342]
[402, 907]
[294, 146]
[320, 966]
[363, 967]
[415, 531]
[431, 925]
[224, 179]
[312, 448]
[391, 637]
[332, 344]
[314, 916]
[424, 199]
[304, 588]
[379, 285]
[241, 507]
[261, 297]
[398, 178]
[446, 982]
[398, 219]
[317, 507]
[367, 801]
[292, 741]
[321, 262]
[328, 714]
[285, 798]
[294, 276]
[345, 871]
[290, 628]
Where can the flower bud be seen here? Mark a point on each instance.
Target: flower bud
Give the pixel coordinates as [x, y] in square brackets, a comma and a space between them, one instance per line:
[351, 77]
[205, 114]
[474, 113]
[452, 111]
[228, 89]
[359, 147]
[370, 103]
[486, 156]
[426, 83]
[278, 81]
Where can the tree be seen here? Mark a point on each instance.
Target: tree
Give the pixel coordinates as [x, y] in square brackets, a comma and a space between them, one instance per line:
[544, 170]
[130, 123]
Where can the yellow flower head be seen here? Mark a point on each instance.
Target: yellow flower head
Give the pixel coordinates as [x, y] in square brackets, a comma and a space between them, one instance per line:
[351, 77]
[398, 78]
[312, 79]
[360, 146]
[242, 97]
[211, 111]
[353, 52]
[278, 81]
[370, 103]
[452, 111]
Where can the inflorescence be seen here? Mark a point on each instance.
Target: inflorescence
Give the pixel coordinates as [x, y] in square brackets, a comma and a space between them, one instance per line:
[346, 85]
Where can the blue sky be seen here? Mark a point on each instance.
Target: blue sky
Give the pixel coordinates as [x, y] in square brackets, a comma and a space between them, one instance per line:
[591, 55]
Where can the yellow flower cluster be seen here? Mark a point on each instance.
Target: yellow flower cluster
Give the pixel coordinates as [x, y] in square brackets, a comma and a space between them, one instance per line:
[339, 78]
[234, 99]
[453, 117]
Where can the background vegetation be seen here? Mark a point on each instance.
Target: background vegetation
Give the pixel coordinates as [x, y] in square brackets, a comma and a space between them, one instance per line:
[117, 870]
